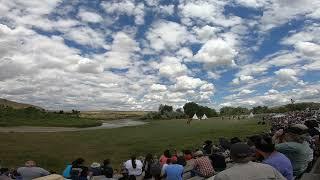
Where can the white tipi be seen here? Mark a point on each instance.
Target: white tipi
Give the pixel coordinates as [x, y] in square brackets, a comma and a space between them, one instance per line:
[251, 115]
[195, 117]
[204, 117]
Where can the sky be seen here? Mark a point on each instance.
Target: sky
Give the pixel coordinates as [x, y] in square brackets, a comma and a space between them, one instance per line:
[135, 55]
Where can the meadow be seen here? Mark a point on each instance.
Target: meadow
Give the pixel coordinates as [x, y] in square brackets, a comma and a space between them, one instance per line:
[54, 150]
[36, 117]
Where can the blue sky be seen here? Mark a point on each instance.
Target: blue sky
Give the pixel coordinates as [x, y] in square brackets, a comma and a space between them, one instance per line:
[135, 55]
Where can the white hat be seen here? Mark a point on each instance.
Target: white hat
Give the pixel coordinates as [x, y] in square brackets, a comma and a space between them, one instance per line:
[95, 165]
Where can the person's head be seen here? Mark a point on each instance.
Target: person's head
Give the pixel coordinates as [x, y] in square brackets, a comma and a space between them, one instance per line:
[198, 154]
[240, 152]
[181, 161]
[235, 140]
[106, 162]
[78, 162]
[295, 133]
[264, 145]
[186, 152]
[133, 161]
[224, 143]
[30, 163]
[252, 139]
[167, 153]
[208, 142]
[149, 157]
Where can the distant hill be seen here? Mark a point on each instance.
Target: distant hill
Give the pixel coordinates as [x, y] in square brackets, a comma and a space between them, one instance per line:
[16, 105]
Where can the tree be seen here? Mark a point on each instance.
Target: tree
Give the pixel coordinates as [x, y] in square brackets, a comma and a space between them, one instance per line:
[260, 109]
[165, 108]
[190, 108]
[179, 110]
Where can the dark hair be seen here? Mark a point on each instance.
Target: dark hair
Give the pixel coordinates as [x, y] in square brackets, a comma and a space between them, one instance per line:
[224, 143]
[167, 153]
[133, 161]
[252, 139]
[264, 143]
[148, 158]
[235, 140]
[187, 151]
[168, 161]
[77, 162]
[181, 161]
[106, 162]
[208, 142]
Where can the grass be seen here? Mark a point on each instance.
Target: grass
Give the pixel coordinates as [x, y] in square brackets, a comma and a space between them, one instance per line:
[112, 115]
[35, 117]
[54, 150]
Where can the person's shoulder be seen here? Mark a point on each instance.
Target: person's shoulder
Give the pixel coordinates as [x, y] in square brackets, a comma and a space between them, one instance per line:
[20, 169]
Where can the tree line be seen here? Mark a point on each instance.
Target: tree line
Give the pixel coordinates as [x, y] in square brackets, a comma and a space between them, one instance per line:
[191, 108]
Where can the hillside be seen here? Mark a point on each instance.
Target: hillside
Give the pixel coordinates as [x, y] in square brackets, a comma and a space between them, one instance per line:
[16, 105]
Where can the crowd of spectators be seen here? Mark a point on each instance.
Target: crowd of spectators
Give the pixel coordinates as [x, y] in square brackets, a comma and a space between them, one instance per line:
[286, 152]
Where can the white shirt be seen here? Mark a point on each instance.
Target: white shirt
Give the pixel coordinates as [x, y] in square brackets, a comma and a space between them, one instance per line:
[134, 171]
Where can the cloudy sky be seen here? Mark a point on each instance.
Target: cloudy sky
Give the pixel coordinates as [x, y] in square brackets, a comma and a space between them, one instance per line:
[134, 54]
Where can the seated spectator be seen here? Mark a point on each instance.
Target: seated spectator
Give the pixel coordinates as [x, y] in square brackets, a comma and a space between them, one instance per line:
[95, 169]
[181, 161]
[207, 147]
[4, 174]
[218, 161]
[106, 169]
[155, 169]
[244, 169]
[147, 166]
[224, 144]
[31, 171]
[164, 166]
[187, 155]
[166, 155]
[78, 170]
[202, 166]
[279, 161]
[296, 149]
[173, 171]
[134, 167]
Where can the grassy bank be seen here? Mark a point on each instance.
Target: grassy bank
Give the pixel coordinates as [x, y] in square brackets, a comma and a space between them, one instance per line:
[54, 150]
[36, 117]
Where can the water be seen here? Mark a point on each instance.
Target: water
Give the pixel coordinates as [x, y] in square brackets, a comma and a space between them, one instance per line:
[105, 125]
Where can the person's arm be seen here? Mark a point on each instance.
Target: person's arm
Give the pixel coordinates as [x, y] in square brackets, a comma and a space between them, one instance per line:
[44, 172]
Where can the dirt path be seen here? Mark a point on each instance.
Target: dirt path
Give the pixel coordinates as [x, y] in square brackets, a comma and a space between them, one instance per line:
[105, 125]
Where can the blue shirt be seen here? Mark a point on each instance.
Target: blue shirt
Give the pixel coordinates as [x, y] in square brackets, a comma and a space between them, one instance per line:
[281, 163]
[174, 172]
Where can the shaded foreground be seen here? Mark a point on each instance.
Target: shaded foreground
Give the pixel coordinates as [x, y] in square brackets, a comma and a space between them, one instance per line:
[54, 150]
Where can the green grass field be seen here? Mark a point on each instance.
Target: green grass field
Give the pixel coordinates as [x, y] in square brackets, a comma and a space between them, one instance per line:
[54, 150]
[36, 117]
